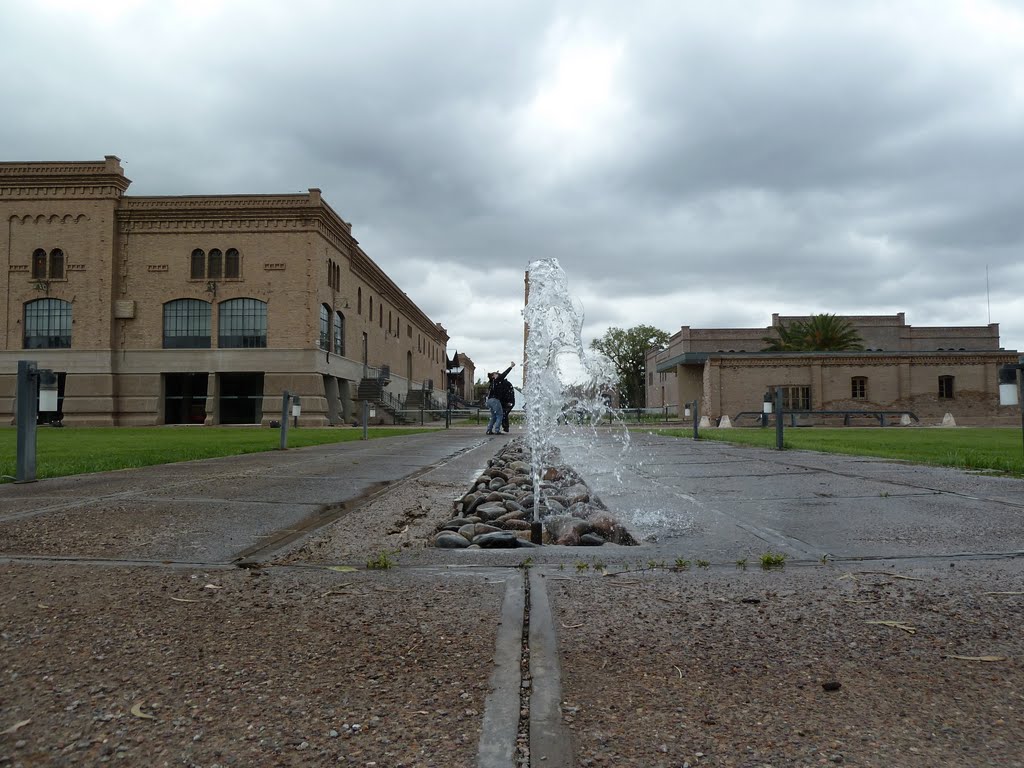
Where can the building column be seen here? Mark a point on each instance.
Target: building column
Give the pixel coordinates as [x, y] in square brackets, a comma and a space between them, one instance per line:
[212, 400]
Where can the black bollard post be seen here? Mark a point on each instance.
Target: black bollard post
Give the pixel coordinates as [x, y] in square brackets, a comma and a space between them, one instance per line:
[536, 532]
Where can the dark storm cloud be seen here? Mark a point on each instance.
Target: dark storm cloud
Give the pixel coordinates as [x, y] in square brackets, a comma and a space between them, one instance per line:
[688, 164]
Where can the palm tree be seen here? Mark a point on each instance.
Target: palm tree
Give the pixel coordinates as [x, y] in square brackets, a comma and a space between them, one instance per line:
[818, 333]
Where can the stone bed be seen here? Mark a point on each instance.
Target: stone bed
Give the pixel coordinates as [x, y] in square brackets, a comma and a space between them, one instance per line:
[498, 510]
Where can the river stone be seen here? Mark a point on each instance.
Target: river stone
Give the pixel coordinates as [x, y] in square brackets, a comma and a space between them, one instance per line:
[448, 540]
[554, 507]
[496, 484]
[491, 510]
[591, 540]
[516, 525]
[516, 514]
[467, 531]
[498, 540]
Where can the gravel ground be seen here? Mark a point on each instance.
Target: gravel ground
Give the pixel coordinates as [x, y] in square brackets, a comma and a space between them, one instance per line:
[723, 667]
[275, 667]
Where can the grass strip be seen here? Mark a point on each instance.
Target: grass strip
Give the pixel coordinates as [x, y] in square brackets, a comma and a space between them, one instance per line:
[994, 449]
[81, 450]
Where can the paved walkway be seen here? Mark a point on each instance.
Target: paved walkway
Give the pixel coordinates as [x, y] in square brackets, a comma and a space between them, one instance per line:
[689, 654]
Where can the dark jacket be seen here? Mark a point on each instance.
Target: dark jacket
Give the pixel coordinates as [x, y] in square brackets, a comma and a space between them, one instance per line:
[505, 392]
[494, 389]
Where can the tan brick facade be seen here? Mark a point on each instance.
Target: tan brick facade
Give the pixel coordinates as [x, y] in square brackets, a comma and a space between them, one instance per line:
[287, 258]
[901, 369]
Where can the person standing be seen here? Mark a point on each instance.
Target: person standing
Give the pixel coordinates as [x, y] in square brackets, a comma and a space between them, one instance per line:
[507, 396]
[493, 401]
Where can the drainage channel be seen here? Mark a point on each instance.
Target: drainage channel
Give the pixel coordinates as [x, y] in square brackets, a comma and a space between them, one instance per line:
[522, 723]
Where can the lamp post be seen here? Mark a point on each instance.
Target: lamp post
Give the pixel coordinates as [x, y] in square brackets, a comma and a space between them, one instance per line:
[36, 391]
[1008, 388]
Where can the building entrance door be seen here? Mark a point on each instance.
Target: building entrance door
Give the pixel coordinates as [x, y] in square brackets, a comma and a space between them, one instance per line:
[241, 398]
[185, 398]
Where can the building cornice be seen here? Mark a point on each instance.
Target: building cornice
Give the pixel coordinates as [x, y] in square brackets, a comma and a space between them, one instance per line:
[63, 180]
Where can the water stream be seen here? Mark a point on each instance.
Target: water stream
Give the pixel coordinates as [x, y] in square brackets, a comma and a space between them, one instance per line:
[566, 386]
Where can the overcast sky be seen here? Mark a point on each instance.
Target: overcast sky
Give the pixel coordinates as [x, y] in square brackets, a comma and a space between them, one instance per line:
[688, 163]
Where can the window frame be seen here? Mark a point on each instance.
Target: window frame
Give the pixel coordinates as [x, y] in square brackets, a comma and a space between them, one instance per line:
[858, 387]
[324, 341]
[185, 309]
[246, 317]
[339, 333]
[947, 387]
[57, 319]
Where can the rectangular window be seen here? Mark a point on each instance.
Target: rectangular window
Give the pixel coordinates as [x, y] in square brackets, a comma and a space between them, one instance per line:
[39, 265]
[794, 398]
[198, 265]
[186, 324]
[48, 324]
[859, 387]
[243, 324]
[650, 378]
[215, 266]
[325, 327]
[56, 264]
[232, 264]
[945, 387]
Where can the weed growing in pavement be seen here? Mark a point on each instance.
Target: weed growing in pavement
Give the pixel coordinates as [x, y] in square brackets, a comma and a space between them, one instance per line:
[771, 560]
[527, 563]
[681, 564]
[581, 566]
[703, 564]
[742, 563]
[382, 562]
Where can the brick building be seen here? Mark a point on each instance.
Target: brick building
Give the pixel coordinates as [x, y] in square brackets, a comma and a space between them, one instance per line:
[929, 371]
[195, 309]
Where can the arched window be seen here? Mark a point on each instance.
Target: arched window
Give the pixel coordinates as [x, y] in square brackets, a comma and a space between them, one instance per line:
[325, 327]
[371, 309]
[198, 268]
[215, 265]
[187, 324]
[242, 323]
[47, 324]
[859, 387]
[946, 387]
[389, 321]
[232, 264]
[56, 264]
[359, 301]
[380, 315]
[39, 264]
[339, 333]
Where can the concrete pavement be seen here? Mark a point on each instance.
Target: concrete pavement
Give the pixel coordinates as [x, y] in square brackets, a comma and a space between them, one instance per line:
[694, 502]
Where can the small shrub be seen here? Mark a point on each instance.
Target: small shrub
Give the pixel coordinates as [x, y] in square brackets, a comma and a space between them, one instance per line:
[382, 562]
[773, 560]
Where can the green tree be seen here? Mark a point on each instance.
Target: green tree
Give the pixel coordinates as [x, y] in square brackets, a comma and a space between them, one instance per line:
[818, 333]
[627, 349]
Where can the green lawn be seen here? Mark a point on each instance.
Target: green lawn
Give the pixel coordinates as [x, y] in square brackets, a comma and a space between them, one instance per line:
[78, 450]
[999, 449]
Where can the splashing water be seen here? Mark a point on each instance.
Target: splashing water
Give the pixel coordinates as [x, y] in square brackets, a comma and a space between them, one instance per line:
[564, 382]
